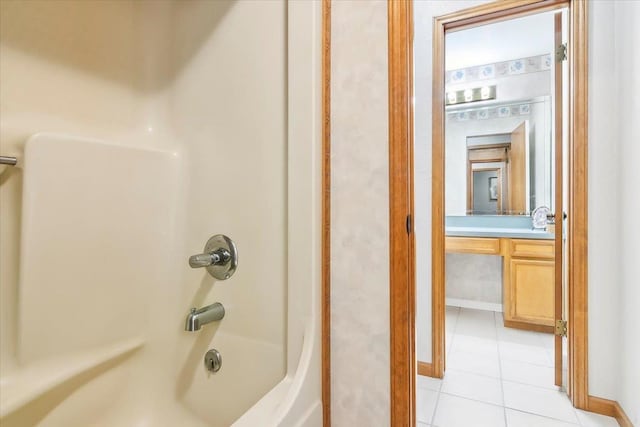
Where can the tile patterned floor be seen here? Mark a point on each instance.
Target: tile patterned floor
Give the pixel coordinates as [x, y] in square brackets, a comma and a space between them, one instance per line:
[496, 377]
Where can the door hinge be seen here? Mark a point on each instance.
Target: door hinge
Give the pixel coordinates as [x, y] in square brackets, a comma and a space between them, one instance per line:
[408, 224]
[561, 52]
[561, 328]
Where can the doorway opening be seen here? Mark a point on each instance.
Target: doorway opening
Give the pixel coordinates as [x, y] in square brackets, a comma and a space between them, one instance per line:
[520, 239]
[499, 281]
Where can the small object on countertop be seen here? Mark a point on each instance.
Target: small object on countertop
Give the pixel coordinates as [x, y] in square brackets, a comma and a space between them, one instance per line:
[539, 217]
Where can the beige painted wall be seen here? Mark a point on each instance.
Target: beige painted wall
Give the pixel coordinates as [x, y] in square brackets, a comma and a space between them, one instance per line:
[359, 214]
[359, 43]
[618, 151]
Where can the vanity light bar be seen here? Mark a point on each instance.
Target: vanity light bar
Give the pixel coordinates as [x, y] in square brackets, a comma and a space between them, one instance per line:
[470, 95]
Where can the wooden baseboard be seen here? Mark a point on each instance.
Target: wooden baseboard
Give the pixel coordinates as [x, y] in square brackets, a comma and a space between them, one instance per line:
[602, 406]
[610, 408]
[528, 326]
[425, 369]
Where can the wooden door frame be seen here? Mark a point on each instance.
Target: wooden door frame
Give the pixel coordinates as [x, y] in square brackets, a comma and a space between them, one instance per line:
[559, 252]
[326, 214]
[402, 298]
[402, 243]
[401, 192]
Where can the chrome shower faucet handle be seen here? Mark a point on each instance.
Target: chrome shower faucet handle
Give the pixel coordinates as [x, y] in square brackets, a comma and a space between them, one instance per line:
[220, 257]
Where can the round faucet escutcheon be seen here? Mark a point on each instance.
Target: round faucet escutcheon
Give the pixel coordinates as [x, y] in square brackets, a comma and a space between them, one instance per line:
[220, 257]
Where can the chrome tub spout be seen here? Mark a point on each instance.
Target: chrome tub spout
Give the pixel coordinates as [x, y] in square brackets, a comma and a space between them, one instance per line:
[199, 317]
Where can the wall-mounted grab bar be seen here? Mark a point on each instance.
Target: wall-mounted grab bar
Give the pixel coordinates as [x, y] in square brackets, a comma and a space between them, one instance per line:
[6, 160]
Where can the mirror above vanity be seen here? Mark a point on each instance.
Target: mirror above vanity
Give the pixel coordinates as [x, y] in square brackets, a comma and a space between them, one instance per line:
[499, 84]
[498, 158]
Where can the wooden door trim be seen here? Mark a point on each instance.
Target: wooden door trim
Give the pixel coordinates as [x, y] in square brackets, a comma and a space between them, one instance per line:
[578, 206]
[610, 408]
[401, 271]
[326, 213]
[577, 242]
[498, 11]
[558, 204]
[438, 242]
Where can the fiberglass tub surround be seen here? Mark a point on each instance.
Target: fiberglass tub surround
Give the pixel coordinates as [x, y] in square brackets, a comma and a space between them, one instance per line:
[151, 127]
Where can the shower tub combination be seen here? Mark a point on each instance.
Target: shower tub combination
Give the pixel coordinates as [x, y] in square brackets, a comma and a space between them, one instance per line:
[142, 129]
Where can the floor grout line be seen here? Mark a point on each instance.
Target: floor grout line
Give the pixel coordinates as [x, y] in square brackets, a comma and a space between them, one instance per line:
[462, 371]
[535, 385]
[504, 403]
[435, 408]
[509, 408]
[526, 363]
[543, 416]
[473, 400]
[455, 322]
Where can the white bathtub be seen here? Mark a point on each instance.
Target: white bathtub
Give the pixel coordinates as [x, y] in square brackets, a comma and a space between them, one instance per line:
[152, 126]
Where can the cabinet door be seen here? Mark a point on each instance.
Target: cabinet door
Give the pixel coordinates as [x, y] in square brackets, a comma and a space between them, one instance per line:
[531, 291]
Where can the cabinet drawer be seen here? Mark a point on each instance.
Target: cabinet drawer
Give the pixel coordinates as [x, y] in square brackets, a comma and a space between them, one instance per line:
[521, 248]
[473, 245]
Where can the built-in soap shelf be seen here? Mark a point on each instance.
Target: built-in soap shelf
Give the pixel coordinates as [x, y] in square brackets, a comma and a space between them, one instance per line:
[26, 385]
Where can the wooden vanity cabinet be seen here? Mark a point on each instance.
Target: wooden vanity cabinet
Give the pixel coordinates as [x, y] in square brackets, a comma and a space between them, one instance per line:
[528, 277]
[528, 284]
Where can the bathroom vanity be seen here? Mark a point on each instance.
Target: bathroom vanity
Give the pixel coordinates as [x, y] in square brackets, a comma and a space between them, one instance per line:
[528, 267]
[499, 163]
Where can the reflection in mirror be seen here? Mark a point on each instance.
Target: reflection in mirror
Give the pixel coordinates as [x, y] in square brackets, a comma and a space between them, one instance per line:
[499, 128]
[486, 189]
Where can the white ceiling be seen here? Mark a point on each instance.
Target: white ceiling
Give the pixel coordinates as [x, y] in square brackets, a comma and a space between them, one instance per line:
[501, 41]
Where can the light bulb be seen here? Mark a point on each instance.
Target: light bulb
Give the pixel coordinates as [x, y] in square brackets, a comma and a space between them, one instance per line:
[468, 95]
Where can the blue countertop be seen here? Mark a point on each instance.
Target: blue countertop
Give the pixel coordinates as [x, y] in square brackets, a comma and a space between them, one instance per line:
[511, 226]
[514, 233]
